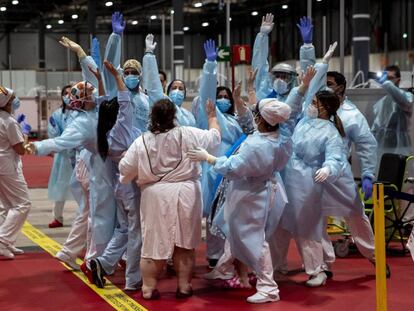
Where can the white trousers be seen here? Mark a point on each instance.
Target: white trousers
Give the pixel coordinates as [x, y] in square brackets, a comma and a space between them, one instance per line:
[361, 231]
[14, 196]
[58, 210]
[79, 235]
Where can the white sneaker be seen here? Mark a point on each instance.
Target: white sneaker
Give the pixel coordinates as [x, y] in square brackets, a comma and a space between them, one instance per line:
[4, 251]
[214, 275]
[317, 280]
[261, 297]
[67, 260]
[15, 250]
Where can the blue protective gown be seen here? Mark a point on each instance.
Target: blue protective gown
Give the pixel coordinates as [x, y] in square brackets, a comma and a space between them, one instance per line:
[341, 198]
[155, 93]
[316, 143]
[81, 132]
[391, 126]
[63, 162]
[255, 194]
[140, 102]
[230, 129]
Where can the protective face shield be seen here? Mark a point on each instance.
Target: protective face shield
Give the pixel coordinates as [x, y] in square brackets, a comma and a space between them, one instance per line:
[132, 81]
[80, 94]
[15, 104]
[312, 112]
[223, 104]
[177, 97]
[285, 73]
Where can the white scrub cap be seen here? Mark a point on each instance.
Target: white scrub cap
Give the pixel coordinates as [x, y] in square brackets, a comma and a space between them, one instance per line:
[274, 111]
[5, 95]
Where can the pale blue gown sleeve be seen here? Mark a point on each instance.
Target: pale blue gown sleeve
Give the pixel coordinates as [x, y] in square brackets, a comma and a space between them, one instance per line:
[113, 55]
[57, 129]
[208, 87]
[316, 84]
[307, 56]
[334, 156]
[403, 99]
[71, 138]
[152, 79]
[262, 83]
[123, 133]
[86, 73]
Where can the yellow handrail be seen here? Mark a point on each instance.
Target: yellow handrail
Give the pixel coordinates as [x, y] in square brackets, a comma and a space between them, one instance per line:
[379, 227]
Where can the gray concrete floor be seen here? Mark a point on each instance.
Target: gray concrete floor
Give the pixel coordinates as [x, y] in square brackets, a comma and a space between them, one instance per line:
[41, 214]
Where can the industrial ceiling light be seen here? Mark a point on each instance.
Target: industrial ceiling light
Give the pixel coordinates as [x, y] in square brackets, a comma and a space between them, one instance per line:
[75, 16]
[318, 0]
[405, 35]
[134, 23]
[284, 7]
[153, 17]
[172, 12]
[205, 24]
[108, 3]
[48, 26]
[186, 28]
[254, 13]
[3, 8]
[15, 2]
[61, 21]
[198, 4]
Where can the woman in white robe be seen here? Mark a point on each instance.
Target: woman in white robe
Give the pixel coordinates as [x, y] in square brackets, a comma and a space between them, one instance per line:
[171, 206]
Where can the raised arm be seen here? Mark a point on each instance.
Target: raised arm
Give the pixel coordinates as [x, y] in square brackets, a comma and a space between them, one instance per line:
[208, 84]
[260, 54]
[150, 72]
[307, 50]
[113, 52]
[403, 99]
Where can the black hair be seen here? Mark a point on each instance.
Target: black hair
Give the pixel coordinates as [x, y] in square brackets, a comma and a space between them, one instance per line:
[162, 116]
[62, 93]
[170, 86]
[339, 79]
[331, 103]
[394, 68]
[268, 127]
[108, 113]
[230, 95]
[162, 72]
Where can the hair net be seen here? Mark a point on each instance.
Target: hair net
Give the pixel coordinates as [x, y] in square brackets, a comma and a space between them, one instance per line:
[132, 63]
[274, 111]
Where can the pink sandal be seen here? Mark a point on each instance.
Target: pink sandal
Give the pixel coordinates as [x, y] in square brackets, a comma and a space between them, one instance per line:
[233, 283]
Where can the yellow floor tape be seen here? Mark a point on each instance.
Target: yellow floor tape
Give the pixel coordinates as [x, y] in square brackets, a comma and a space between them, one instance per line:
[111, 294]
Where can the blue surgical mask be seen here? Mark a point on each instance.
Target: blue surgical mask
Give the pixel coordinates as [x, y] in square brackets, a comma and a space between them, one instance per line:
[177, 97]
[280, 86]
[223, 104]
[66, 100]
[132, 81]
[15, 104]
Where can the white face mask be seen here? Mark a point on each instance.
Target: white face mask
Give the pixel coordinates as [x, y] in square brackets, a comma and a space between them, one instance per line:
[312, 112]
[280, 86]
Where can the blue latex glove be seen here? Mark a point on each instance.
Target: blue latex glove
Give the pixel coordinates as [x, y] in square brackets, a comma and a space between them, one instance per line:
[26, 128]
[20, 118]
[96, 52]
[210, 50]
[367, 188]
[118, 23]
[383, 78]
[306, 29]
[52, 121]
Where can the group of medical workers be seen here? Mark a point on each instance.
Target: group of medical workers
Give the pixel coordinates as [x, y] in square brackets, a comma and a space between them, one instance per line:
[144, 170]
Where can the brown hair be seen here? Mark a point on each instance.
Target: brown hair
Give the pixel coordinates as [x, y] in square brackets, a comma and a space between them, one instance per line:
[331, 104]
[162, 116]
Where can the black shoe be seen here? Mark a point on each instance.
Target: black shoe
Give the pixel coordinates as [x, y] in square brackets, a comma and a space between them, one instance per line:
[328, 273]
[212, 263]
[387, 270]
[181, 295]
[98, 273]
